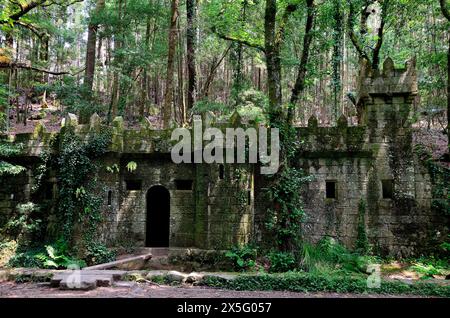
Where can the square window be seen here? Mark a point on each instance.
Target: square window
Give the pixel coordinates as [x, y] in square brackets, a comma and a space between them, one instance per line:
[133, 185]
[221, 172]
[331, 191]
[388, 189]
[184, 185]
[109, 198]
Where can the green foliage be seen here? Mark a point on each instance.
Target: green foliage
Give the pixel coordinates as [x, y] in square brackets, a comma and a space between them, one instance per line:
[204, 106]
[284, 219]
[97, 253]
[56, 257]
[75, 98]
[243, 258]
[26, 221]
[428, 267]
[440, 179]
[281, 262]
[362, 242]
[132, 166]
[3, 106]
[113, 169]
[446, 246]
[78, 201]
[27, 258]
[328, 255]
[9, 150]
[306, 282]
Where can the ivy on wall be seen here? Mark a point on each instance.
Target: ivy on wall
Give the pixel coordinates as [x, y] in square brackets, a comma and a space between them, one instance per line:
[440, 179]
[79, 205]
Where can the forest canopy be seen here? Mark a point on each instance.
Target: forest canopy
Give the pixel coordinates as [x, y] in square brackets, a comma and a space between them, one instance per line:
[166, 60]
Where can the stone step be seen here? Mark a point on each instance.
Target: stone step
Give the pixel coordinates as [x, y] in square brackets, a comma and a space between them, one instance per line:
[127, 263]
[85, 279]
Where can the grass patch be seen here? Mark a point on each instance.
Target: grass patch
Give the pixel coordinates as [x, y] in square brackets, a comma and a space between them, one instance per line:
[309, 282]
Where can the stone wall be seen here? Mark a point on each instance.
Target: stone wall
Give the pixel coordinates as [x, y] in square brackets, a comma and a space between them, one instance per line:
[358, 161]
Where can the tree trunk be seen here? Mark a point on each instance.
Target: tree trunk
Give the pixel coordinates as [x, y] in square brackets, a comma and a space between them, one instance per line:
[299, 86]
[446, 12]
[191, 9]
[168, 98]
[448, 89]
[273, 61]
[43, 55]
[90, 48]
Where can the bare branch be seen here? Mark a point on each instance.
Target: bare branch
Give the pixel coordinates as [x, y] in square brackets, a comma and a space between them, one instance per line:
[29, 67]
[351, 32]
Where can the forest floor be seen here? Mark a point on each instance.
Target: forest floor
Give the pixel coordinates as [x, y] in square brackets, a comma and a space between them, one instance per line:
[145, 290]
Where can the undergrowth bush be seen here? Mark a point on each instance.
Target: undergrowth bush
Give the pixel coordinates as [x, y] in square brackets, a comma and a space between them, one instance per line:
[281, 262]
[98, 254]
[243, 258]
[329, 255]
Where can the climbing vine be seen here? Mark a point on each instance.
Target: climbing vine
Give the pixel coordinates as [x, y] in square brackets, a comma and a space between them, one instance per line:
[286, 215]
[79, 206]
[362, 242]
[440, 179]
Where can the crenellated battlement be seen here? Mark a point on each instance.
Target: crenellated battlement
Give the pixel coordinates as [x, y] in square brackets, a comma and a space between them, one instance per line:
[390, 81]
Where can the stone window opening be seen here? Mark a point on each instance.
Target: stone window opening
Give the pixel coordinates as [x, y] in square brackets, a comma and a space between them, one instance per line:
[184, 185]
[249, 198]
[133, 185]
[109, 198]
[387, 189]
[221, 172]
[331, 189]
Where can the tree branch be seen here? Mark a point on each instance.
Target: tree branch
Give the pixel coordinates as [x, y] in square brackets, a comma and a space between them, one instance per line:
[32, 28]
[29, 67]
[290, 9]
[351, 32]
[238, 40]
[377, 49]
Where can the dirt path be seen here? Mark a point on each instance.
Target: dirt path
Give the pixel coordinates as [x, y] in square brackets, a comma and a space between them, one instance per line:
[134, 290]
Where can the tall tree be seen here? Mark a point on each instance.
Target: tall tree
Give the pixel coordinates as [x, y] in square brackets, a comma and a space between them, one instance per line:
[91, 46]
[191, 34]
[168, 98]
[307, 40]
[373, 59]
[446, 12]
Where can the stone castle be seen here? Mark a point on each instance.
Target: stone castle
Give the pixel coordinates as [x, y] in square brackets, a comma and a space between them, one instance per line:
[214, 206]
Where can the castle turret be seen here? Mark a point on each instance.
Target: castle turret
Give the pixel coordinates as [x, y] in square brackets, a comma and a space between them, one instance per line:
[385, 99]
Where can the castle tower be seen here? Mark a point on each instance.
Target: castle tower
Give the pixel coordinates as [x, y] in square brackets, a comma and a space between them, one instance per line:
[386, 101]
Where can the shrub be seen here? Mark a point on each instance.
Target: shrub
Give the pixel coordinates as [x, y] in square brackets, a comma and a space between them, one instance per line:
[281, 262]
[99, 254]
[307, 282]
[329, 254]
[243, 258]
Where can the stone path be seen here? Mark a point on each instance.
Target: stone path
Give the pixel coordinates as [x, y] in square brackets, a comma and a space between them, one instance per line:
[145, 290]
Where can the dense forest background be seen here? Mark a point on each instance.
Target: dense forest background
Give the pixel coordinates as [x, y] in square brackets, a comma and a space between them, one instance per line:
[167, 59]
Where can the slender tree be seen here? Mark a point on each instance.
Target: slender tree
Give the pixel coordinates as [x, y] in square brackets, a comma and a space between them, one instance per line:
[168, 98]
[446, 12]
[191, 34]
[91, 45]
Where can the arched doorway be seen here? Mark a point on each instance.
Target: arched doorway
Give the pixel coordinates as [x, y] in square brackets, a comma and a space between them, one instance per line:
[158, 217]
